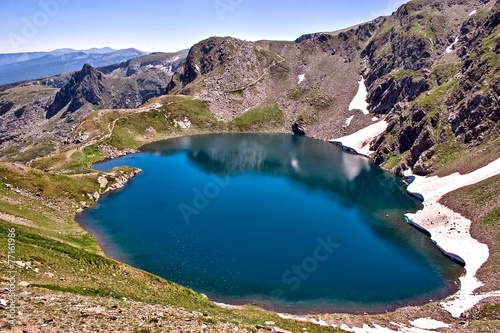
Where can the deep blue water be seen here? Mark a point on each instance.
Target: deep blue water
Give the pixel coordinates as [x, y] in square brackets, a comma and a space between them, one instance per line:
[288, 223]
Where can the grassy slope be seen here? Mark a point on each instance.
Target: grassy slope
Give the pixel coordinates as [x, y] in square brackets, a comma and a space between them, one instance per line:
[42, 205]
[25, 95]
[53, 242]
[133, 128]
[268, 117]
[136, 129]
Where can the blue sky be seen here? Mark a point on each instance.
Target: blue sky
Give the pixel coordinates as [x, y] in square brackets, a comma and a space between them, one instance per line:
[164, 25]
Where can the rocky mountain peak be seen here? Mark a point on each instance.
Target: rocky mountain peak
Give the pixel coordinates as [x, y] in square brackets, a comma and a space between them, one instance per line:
[85, 86]
[215, 53]
[225, 64]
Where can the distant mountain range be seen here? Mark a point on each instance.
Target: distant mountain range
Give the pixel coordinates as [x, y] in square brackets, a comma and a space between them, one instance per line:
[10, 58]
[16, 67]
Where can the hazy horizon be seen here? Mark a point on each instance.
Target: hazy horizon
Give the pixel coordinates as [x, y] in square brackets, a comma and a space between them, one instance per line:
[170, 26]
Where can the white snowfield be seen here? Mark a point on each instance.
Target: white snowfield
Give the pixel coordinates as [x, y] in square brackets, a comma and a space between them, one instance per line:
[359, 101]
[420, 325]
[360, 140]
[448, 229]
[451, 231]
[428, 323]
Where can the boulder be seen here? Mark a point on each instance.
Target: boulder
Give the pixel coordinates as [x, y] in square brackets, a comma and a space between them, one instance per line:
[298, 129]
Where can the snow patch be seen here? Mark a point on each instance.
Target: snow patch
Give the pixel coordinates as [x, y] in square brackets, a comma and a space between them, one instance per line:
[348, 121]
[382, 329]
[374, 119]
[379, 329]
[319, 322]
[345, 328]
[473, 12]
[421, 325]
[360, 140]
[359, 101]
[451, 48]
[428, 323]
[451, 231]
[301, 77]
[283, 316]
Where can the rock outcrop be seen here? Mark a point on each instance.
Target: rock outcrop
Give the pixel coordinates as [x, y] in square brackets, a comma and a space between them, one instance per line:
[126, 85]
[85, 86]
[298, 129]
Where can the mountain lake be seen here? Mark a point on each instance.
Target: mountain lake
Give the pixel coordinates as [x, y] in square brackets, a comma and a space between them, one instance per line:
[287, 223]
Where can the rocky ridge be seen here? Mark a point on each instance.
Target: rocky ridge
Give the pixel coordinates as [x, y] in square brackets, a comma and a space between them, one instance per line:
[438, 98]
[426, 55]
[312, 79]
[36, 116]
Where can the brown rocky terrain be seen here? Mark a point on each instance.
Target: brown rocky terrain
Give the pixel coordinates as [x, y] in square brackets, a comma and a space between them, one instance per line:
[36, 116]
[437, 100]
[234, 76]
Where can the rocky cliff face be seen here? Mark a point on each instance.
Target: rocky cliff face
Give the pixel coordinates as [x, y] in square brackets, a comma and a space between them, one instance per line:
[312, 80]
[430, 70]
[85, 86]
[123, 85]
[443, 105]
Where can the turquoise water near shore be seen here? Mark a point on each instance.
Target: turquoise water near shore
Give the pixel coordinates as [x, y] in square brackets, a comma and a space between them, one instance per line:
[288, 223]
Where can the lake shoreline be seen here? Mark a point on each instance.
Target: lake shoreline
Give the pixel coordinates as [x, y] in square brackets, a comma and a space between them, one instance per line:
[451, 233]
[380, 309]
